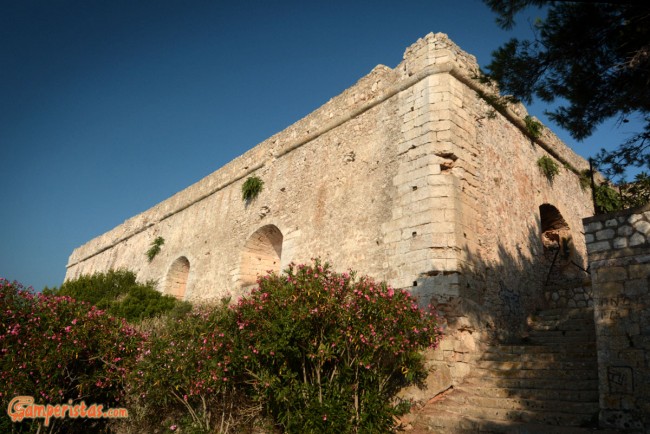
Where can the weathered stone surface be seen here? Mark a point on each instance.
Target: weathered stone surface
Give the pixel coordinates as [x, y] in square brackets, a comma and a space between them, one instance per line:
[612, 274]
[619, 243]
[606, 234]
[624, 231]
[593, 227]
[598, 246]
[438, 380]
[621, 291]
[639, 271]
[637, 239]
[410, 176]
[643, 227]
[409, 150]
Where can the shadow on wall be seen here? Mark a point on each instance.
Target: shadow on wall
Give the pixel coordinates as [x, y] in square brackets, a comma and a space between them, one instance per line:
[497, 296]
[500, 350]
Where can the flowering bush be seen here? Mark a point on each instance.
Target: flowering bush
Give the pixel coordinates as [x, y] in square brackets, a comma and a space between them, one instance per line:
[311, 350]
[57, 349]
[190, 372]
[326, 352]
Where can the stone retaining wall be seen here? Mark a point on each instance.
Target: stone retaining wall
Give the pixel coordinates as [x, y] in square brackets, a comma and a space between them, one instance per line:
[619, 256]
[570, 296]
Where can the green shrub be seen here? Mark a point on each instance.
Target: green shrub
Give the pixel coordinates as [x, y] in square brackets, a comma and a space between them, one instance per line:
[58, 351]
[548, 167]
[312, 350]
[251, 188]
[607, 199]
[121, 295]
[327, 352]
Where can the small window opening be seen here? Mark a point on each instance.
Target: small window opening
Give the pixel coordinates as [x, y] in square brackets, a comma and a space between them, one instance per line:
[556, 234]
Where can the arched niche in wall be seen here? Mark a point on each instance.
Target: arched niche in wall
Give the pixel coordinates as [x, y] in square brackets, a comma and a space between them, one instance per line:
[176, 282]
[261, 253]
[556, 233]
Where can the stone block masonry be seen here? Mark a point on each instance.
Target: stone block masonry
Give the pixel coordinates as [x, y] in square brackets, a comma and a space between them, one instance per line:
[619, 256]
[410, 176]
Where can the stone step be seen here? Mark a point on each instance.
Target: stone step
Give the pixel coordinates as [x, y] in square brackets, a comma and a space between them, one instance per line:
[466, 398]
[574, 325]
[560, 340]
[565, 312]
[546, 384]
[535, 374]
[564, 365]
[533, 349]
[553, 418]
[443, 422]
[540, 358]
[563, 329]
[488, 390]
[539, 383]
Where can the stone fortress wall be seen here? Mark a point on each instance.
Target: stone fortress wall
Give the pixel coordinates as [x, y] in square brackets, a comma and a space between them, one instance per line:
[411, 176]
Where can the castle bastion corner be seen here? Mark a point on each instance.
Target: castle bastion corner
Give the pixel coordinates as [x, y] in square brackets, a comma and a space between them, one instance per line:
[414, 175]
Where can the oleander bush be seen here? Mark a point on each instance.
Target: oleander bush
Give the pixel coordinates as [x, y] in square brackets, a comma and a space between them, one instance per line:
[327, 352]
[190, 375]
[309, 350]
[60, 350]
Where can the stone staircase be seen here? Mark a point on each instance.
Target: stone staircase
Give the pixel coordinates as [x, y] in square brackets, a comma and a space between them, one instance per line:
[546, 384]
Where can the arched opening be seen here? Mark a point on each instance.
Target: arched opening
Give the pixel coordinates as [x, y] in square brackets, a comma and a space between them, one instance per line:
[177, 275]
[556, 233]
[262, 253]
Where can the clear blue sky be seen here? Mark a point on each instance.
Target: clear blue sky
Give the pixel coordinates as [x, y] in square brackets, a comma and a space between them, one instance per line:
[109, 107]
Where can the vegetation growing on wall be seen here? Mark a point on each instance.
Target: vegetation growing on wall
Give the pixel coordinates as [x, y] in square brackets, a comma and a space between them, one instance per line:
[548, 167]
[609, 198]
[251, 188]
[596, 75]
[533, 127]
[155, 248]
